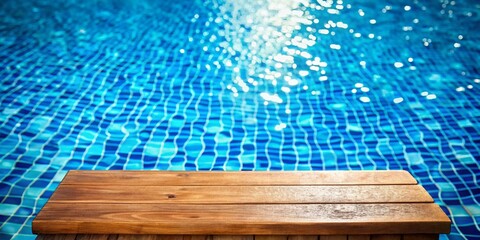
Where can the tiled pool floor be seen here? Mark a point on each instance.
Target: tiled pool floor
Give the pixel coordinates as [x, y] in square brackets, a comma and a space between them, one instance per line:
[239, 85]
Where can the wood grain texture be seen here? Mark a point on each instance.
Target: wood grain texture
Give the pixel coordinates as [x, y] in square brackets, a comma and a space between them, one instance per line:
[271, 237]
[386, 237]
[56, 237]
[149, 237]
[302, 237]
[420, 237]
[243, 219]
[197, 237]
[95, 237]
[334, 237]
[358, 237]
[237, 237]
[233, 237]
[169, 178]
[240, 206]
[240, 194]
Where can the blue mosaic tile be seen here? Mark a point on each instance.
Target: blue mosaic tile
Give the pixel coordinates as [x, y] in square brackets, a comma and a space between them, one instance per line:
[202, 85]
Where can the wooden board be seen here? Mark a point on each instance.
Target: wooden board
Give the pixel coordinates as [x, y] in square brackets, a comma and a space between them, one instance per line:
[241, 219]
[163, 178]
[240, 194]
[240, 204]
[230, 237]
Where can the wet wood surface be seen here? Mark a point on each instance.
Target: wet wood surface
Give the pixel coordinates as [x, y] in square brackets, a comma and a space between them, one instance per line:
[236, 237]
[241, 205]
[240, 194]
[172, 178]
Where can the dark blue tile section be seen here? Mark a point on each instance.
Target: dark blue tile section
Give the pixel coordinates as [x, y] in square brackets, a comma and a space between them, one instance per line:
[240, 86]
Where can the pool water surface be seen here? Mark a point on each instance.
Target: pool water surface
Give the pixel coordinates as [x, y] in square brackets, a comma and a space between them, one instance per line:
[239, 86]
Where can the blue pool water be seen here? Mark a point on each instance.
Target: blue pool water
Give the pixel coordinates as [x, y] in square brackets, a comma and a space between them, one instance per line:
[239, 85]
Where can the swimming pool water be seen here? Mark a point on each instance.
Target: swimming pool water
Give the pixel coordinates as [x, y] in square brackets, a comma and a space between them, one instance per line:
[239, 85]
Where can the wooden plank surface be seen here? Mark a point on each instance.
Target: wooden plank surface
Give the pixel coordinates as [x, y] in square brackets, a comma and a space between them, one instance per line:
[200, 205]
[57, 237]
[229, 237]
[302, 237]
[386, 237]
[233, 237]
[169, 178]
[271, 237]
[96, 237]
[240, 194]
[420, 237]
[334, 237]
[242, 219]
[358, 237]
